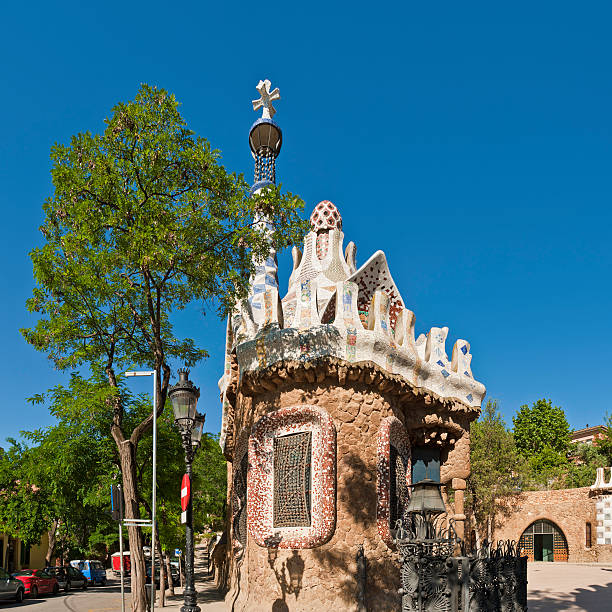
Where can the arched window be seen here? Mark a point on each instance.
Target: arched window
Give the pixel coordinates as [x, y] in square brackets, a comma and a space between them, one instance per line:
[588, 536]
[544, 541]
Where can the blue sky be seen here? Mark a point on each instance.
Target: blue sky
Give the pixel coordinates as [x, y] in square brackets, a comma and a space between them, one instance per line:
[469, 141]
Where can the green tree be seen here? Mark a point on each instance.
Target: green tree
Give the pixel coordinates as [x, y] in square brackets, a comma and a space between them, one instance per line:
[73, 462]
[582, 469]
[143, 220]
[604, 444]
[542, 436]
[24, 507]
[497, 469]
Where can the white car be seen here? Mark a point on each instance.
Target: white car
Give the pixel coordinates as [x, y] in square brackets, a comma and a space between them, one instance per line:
[10, 588]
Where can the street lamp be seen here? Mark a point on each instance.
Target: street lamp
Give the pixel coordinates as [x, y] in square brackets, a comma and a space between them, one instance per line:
[184, 396]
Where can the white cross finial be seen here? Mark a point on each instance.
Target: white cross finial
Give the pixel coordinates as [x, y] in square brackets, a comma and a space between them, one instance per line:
[266, 99]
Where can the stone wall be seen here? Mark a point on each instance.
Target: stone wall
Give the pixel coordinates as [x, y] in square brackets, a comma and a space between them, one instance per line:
[569, 509]
[325, 577]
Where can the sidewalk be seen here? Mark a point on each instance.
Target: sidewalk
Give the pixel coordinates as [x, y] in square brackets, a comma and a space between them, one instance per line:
[209, 598]
[569, 587]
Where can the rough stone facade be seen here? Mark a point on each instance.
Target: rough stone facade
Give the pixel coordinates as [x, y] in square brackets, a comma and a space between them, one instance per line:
[569, 509]
[358, 397]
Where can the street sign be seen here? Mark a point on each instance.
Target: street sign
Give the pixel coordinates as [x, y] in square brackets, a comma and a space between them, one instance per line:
[177, 552]
[116, 503]
[185, 492]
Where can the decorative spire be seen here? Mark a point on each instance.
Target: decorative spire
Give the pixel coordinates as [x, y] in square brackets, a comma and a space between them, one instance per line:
[266, 98]
[265, 138]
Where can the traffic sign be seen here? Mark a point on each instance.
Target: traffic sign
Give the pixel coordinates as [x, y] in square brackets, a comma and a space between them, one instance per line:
[185, 492]
[116, 503]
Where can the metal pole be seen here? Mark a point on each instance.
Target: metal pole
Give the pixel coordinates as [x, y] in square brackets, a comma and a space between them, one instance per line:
[121, 561]
[154, 493]
[189, 593]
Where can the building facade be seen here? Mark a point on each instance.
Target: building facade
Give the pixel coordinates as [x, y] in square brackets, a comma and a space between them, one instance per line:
[331, 409]
[588, 435]
[15, 555]
[572, 525]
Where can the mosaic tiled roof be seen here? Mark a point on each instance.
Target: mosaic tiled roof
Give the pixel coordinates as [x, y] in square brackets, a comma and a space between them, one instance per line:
[334, 309]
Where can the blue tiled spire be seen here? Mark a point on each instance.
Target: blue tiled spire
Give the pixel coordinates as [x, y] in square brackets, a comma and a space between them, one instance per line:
[265, 140]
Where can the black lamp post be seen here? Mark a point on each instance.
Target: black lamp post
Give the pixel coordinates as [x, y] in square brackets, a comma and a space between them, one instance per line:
[184, 396]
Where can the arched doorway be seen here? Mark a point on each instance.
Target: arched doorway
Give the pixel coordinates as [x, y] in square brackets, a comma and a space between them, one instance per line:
[544, 541]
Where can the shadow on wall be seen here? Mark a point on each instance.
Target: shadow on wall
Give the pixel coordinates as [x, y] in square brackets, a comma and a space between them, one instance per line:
[288, 575]
[589, 599]
[359, 500]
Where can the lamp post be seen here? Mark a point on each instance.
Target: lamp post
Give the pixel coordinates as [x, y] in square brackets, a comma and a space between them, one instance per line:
[184, 396]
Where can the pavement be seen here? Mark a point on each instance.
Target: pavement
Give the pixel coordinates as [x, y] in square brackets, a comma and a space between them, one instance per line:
[108, 598]
[209, 598]
[552, 587]
[569, 587]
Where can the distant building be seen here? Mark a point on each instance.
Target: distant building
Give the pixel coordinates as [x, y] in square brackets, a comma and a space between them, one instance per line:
[15, 555]
[589, 434]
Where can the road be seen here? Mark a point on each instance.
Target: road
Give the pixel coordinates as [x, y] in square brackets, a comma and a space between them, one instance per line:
[94, 599]
[108, 599]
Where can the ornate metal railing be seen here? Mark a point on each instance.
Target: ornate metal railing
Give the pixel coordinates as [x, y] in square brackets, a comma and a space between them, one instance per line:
[438, 576]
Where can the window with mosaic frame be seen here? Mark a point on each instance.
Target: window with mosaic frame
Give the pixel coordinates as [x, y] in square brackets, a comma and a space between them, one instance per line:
[240, 501]
[394, 470]
[291, 499]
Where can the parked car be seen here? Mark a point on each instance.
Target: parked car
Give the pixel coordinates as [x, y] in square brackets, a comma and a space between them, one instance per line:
[10, 588]
[148, 570]
[174, 569]
[93, 570]
[68, 577]
[37, 581]
[176, 576]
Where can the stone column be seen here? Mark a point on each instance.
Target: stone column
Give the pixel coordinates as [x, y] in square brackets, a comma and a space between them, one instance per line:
[459, 485]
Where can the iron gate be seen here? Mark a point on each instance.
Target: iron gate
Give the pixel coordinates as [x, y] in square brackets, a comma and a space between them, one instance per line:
[434, 579]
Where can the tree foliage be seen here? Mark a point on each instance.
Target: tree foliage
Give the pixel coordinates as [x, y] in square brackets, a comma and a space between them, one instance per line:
[61, 479]
[23, 505]
[604, 443]
[582, 468]
[497, 469]
[542, 435]
[143, 220]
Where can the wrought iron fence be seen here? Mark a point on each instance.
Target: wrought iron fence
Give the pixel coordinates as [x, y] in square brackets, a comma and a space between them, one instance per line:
[438, 576]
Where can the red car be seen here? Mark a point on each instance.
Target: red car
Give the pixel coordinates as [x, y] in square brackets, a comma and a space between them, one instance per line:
[37, 581]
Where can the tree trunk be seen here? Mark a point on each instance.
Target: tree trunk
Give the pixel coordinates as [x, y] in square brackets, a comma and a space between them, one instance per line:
[477, 532]
[51, 546]
[169, 573]
[127, 453]
[162, 570]
[489, 530]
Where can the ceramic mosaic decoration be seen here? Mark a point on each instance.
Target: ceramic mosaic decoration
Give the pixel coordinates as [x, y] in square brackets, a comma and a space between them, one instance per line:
[334, 310]
[260, 513]
[329, 402]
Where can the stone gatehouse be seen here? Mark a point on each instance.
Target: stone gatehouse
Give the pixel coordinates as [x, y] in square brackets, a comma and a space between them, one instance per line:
[331, 409]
